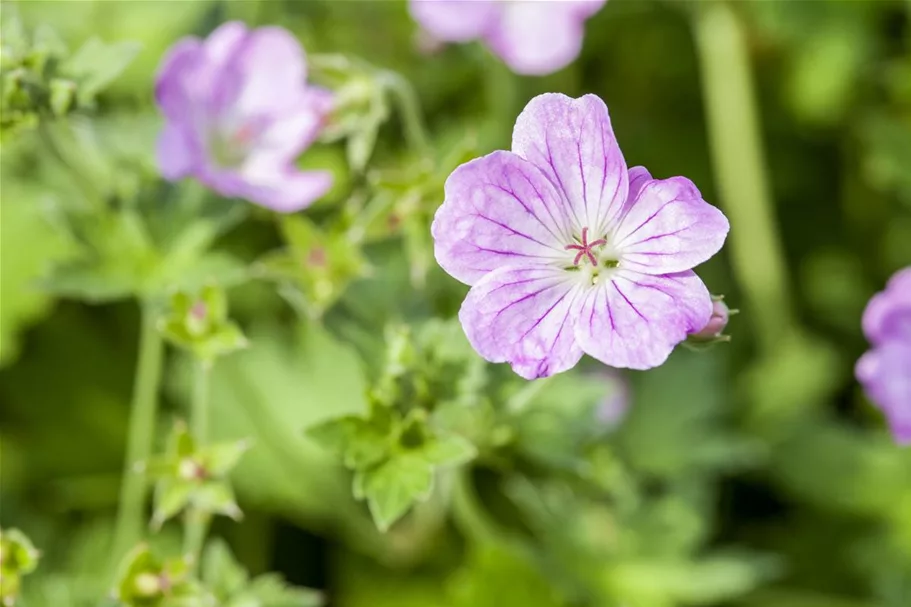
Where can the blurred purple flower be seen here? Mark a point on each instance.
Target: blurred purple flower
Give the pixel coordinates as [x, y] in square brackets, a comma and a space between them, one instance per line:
[238, 112]
[568, 252]
[533, 37]
[885, 371]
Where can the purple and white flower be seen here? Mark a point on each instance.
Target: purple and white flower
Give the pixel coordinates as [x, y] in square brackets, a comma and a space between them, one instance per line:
[885, 370]
[238, 112]
[568, 252]
[533, 37]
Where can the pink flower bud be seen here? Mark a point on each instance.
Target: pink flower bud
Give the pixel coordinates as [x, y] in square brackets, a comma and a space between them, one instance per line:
[716, 324]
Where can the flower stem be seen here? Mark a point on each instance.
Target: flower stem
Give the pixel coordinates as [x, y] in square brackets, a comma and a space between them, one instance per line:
[196, 525]
[199, 407]
[409, 110]
[196, 522]
[737, 157]
[469, 514]
[130, 518]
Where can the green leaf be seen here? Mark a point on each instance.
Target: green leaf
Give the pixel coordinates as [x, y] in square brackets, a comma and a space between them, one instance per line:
[62, 95]
[216, 497]
[221, 572]
[96, 64]
[270, 590]
[360, 146]
[27, 245]
[499, 576]
[221, 458]
[171, 497]
[394, 486]
[357, 441]
[450, 450]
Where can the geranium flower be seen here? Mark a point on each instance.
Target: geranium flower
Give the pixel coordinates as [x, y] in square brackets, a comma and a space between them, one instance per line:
[568, 252]
[532, 37]
[238, 112]
[885, 371]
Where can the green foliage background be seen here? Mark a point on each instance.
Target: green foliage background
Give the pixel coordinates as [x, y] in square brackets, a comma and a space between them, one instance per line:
[754, 474]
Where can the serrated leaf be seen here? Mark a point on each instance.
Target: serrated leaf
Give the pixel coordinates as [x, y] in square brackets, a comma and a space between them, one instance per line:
[357, 441]
[171, 497]
[449, 450]
[216, 498]
[221, 458]
[394, 486]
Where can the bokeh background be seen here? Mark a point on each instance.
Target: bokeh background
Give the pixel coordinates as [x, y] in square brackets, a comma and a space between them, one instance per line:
[754, 474]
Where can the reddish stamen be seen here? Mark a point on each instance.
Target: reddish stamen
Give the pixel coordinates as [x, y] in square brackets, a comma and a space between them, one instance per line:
[244, 134]
[585, 248]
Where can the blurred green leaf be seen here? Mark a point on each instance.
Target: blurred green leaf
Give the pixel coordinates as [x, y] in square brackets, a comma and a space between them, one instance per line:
[96, 64]
[395, 485]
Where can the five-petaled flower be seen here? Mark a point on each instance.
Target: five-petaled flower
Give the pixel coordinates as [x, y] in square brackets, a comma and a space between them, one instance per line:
[885, 370]
[238, 112]
[568, 252]
[533, 37]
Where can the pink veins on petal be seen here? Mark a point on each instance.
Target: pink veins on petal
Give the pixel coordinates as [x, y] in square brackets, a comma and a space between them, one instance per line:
[585, 248]
[622, 291]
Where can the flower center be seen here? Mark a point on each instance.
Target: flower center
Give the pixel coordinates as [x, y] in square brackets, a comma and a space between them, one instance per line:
[584, 248]
[229, 147]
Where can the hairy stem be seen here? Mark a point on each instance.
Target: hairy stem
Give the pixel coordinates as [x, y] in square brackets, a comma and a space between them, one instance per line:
[196, 522]
[737, 157]
[130, 517]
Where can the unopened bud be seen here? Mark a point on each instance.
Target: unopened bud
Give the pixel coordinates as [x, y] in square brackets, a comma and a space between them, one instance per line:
[147, 584]
[716, 324]
[191, 470]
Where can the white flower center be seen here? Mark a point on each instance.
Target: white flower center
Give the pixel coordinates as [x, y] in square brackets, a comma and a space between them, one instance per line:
[593, 259]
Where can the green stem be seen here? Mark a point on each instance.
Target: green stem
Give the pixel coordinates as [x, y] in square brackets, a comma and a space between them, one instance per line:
[196, 525]
[468, 512]
[199, 407]
[196, 522]
[737, 157]
[130, 517]
[409, 110]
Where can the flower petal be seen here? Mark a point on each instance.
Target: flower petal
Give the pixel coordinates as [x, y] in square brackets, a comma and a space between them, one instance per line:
[888, 315]
[524, 316]
[290, 133]
[224, 41]
[499, 210]
[634, 320]
[177, 152]
[176, 83]
[273, 69]
[537, 38]
[668, 227]
[454, 20]
[281, 188]
[587, 8]
[638, 177]
[572, 142]
[885, 373]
